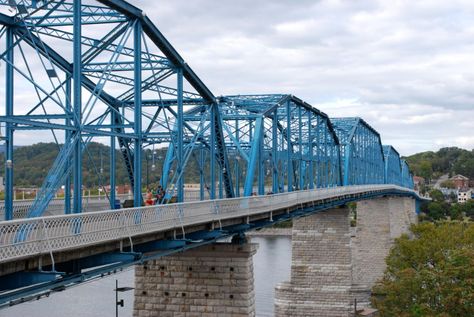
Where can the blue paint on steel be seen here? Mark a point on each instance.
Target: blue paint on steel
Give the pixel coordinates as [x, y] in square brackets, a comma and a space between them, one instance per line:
[287, 144]
[9, 163]
[76, 140]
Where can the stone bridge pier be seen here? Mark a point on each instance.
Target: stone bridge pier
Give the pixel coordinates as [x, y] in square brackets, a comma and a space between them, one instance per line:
[210, 281]
[332, 265]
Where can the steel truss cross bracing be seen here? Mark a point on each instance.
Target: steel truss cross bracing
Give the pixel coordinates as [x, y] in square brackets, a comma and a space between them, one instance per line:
[100, 70]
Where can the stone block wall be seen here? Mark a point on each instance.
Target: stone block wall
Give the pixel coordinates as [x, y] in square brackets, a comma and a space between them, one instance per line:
[321, 267]
[379, 222]
[210, 281]
[372, 241]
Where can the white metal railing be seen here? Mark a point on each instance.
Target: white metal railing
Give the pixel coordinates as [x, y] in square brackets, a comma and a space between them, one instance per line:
[56, 205]
[43, 235]
[89, 204]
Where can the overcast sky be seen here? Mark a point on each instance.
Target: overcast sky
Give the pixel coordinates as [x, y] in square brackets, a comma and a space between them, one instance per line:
[406, 67]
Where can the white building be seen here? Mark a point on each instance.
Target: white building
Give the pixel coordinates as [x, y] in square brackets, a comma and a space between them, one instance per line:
[464, 195]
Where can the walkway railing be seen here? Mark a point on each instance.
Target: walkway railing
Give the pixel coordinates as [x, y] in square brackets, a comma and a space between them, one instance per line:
[35, 236]
[89, 204]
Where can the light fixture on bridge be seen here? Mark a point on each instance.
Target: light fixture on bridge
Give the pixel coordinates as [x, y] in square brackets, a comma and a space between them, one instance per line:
[9, 164]
[120, 290]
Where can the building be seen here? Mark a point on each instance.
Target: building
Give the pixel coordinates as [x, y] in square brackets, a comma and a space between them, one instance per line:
[464, 195]
[460, 181]
[2, 184]
[418, 181]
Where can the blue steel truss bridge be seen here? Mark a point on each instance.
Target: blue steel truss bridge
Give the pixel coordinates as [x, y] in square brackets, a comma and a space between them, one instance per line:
[83, 71]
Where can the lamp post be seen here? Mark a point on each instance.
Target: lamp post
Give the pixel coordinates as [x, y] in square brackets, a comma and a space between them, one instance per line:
[117, 301]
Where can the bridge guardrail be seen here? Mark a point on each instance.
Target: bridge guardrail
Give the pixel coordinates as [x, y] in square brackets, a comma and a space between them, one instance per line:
[28, 237]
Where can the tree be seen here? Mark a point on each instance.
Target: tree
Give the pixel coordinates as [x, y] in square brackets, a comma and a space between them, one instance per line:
[448, 184]
[437, 195]
[437, 210]
[430, 274]
[426, 169]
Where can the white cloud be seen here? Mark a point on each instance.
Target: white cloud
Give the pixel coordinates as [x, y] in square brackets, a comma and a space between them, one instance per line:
[404, 66]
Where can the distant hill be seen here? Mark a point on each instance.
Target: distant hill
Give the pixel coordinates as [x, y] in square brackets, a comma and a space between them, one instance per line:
[450, 160]
[2, 148]
[33, 162]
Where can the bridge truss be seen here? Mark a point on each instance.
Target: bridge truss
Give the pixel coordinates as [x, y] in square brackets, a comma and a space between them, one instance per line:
[101, 70]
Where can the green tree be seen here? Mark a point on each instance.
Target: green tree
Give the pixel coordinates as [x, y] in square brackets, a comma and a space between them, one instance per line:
[426, 169]
[437, 210]
[448, 184]
[430, 274]
[436, 195]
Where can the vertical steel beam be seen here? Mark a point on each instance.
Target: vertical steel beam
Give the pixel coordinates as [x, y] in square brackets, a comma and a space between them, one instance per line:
[275, 152]
[77, 68]
[237, 161]
[9, 91]
[137, 102]
[253, 159]
[310, 150]
[318, 153]
[67, 136]
[289, 150]
[213, 151]
[261, 161]
[201, 173]
[221, 193]
[300, 149]
[347, 160]
[327, 159]
[112, 162]
[180, 126]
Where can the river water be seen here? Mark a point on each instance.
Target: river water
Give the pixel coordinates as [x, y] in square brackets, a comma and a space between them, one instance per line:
[96, 299]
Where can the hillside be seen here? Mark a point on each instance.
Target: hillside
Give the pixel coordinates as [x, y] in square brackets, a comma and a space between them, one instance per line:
[33, 162]
[450, 160]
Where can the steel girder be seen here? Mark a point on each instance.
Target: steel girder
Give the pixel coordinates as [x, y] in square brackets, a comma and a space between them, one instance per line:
[279, 143]
[393, 167]
[92, 86]
[361, 151]
[86, 71]
[407, 177]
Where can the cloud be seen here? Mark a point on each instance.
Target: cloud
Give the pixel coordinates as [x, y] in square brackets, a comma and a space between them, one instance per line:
[404, 66]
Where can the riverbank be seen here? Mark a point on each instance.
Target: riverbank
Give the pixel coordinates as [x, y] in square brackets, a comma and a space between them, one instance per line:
[271, 232]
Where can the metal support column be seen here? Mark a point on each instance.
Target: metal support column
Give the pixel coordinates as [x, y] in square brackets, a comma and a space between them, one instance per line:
[212, 153]
[253, 160]
[289, 150]
[201, 173]
[275, 153]
[179, 152]
[237, 161]
[8, 128]
[77, 68]
[261, 161]
[300, 147]
[112, 167]
[310, 150]
[67, 136]
[137, 78]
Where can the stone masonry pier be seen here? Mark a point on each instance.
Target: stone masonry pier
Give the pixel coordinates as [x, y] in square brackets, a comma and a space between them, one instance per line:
[320, 269]
[210, 281]
[329, 269]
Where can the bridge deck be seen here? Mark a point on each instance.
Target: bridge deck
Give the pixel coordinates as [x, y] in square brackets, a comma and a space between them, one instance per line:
[44, 235]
